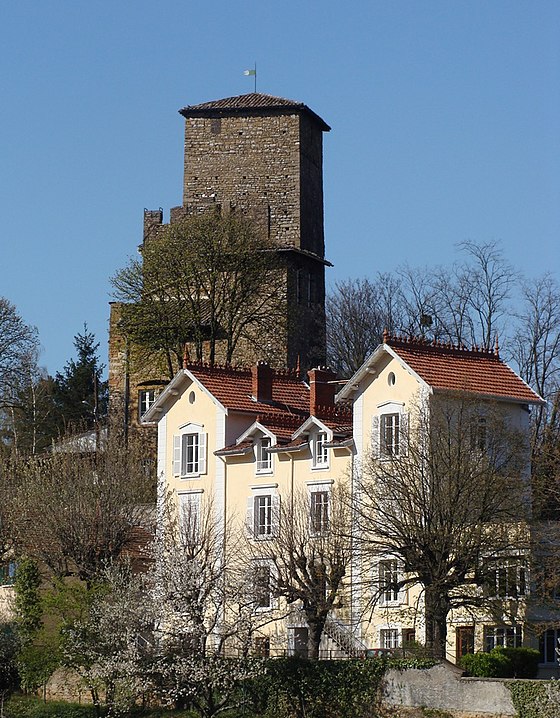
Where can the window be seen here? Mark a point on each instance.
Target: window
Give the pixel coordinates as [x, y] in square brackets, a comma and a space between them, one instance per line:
[389, 638]
[502, 636]
[389, 431]
[507, 578]
[548, 646]
[263, 515]
[390, 435]
[388, 581]
[320, 451]
[189, 515]
[262, 647]
[479, 437]
[7, 573]
[262, 586]
[146, 397]
[319, 511]
[189, 454]
[264, 457]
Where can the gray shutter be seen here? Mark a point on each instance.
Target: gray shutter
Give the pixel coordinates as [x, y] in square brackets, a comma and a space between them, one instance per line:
[275, 514]
[375, 438]
[250, 517]
[176, 455]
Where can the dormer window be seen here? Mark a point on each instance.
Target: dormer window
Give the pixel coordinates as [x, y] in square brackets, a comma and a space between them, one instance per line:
[264, 457]
[320, 451]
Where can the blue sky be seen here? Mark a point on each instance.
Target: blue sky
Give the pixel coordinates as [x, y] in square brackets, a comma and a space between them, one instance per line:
[445, 120]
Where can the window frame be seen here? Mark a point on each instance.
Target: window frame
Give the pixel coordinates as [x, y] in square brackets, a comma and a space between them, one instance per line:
[390, 411]
[393, 635]
[320, 452]
[259, 605]
[190, 438]
[505, 573]
[263, 456]
[145, 400]
[319, 511]
[510, 636]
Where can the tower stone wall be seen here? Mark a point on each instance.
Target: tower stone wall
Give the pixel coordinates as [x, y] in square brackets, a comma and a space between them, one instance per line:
[261, 156]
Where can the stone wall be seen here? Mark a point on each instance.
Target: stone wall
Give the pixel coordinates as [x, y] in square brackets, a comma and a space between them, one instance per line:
[442, 688]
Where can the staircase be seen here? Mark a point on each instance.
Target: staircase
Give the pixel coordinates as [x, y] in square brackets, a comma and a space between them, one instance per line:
[344, 638]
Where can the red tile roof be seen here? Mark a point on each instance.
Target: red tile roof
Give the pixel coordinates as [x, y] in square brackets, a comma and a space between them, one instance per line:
[452, 368]
[233, 389]
[253, 101]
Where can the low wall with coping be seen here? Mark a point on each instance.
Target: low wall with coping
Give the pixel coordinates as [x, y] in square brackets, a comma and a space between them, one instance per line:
[443, 688]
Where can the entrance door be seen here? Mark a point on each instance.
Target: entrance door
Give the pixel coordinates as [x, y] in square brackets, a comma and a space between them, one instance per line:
[465, 641]
[297, 642]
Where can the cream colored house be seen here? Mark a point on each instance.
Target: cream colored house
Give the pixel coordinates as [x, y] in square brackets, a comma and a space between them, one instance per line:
[249, 438]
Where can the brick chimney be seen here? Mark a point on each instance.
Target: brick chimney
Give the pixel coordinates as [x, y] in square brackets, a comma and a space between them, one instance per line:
[261, 375]
[322, 391]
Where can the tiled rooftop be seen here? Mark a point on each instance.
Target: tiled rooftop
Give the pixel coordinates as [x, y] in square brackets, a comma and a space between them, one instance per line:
[256, 101]
[452, 368]
[233, 389]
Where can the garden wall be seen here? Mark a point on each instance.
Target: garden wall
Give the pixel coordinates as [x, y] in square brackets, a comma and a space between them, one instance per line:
[443, 688]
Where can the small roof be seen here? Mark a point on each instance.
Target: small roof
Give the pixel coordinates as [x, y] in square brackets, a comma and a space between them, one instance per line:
[248, 104]
[446, 367]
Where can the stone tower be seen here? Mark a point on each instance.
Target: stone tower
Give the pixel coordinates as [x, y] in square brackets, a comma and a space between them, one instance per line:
[263, 156]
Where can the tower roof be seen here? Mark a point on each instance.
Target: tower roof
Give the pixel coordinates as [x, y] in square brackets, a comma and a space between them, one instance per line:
[251, 103]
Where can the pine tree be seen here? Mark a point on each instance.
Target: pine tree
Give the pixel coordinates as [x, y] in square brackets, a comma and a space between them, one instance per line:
[80, 394]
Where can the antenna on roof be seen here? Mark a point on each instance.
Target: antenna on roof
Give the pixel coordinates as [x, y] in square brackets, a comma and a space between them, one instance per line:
[252, 73]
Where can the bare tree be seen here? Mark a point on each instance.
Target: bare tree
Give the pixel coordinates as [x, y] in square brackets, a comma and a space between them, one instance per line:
[448, 506]
[207, 278]
[358, 310]
[490, 278]
[309, 554]
[76, 508]
[205, 620]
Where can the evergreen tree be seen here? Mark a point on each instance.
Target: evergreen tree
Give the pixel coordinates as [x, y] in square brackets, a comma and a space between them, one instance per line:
[80, 394]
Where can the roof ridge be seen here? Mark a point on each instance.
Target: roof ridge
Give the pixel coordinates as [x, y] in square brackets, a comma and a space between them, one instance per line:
[431, 344]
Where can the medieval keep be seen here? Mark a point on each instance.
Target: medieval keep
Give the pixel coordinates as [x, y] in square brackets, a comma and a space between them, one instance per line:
[261, 156]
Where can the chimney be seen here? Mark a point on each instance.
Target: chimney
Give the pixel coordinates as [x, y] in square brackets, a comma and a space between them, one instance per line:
[261, 375]
[322, 390]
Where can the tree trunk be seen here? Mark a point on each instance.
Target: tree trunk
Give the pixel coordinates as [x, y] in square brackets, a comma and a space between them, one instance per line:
[436, 610]
[315, 632]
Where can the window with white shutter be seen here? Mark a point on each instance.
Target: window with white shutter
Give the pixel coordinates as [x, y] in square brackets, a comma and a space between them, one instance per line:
[189, 452]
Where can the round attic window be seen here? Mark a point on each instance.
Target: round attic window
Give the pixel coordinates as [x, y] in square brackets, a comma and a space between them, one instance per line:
[391, 379]
[192, 397]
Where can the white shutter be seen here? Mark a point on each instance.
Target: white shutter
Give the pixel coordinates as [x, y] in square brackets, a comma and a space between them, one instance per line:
[202, 444]
[375, 438]
[250, 517]
[403, 438]
[275, 515]
[176, 455]
[402, 589]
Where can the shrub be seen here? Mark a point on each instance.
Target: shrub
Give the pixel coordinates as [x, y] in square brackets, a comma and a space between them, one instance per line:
[502, 662]
[487, 665]
[524, 661]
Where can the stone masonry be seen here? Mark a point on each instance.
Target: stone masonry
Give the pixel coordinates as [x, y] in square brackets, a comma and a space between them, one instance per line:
[262, 156]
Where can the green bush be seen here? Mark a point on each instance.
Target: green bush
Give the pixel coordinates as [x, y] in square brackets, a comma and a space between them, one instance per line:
[28, 707]
[524, 661]
[487, 665]
[502, 662]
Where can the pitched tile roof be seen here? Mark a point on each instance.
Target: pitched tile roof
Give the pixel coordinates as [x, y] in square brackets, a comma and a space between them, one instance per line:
[253, 101]
[232, 387]
[453, 368]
